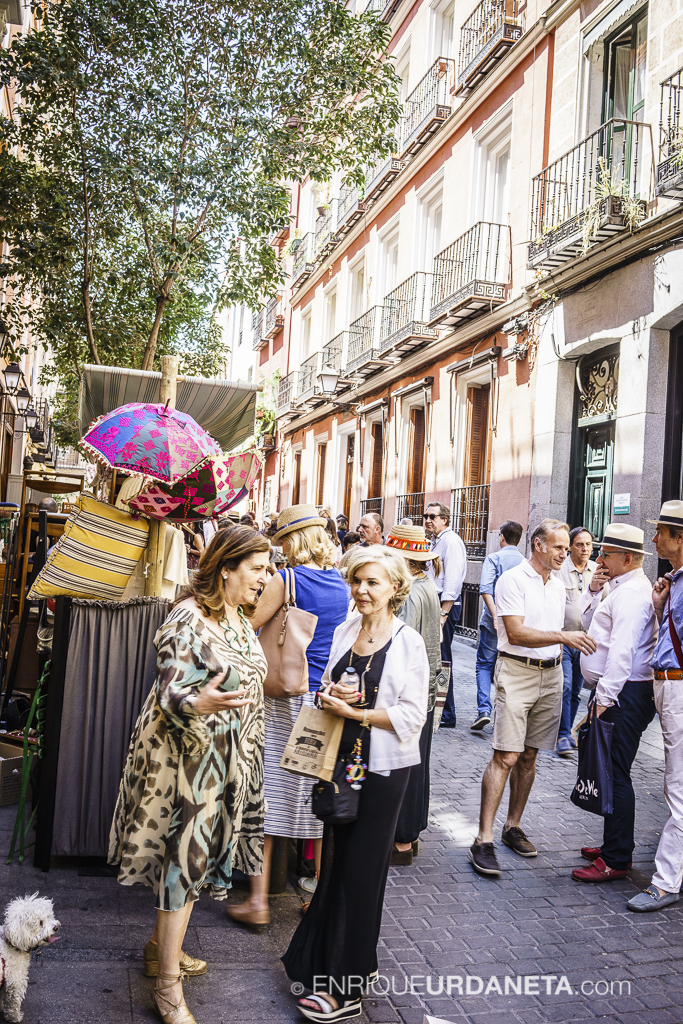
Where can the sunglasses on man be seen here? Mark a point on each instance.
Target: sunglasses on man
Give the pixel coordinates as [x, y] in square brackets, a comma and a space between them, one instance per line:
[431, 515]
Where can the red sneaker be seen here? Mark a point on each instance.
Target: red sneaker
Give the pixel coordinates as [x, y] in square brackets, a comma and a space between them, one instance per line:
[593, 852]
[598, 872]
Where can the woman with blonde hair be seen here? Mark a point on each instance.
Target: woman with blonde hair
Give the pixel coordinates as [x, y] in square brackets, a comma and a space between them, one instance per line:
[334, 949]
[190, 806]
[321, 590]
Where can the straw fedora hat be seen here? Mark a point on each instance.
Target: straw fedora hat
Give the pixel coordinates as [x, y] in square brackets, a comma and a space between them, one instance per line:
[671, 514]
[411, 542]
[625, 537]
[297, 517]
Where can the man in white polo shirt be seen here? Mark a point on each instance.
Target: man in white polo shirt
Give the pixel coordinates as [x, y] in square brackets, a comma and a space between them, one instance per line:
[530, 607]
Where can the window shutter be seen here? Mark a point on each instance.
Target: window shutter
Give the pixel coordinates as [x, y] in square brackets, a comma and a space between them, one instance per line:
[296, 488]
[477, 436]
[348, 476]
[375, 482]
[417, 453]
[322, 458]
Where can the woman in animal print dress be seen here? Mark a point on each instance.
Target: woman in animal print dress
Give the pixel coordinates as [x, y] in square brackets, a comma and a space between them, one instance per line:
[191, 804]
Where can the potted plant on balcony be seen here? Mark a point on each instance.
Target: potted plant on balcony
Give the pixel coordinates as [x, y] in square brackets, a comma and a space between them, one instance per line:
[266, 411]
[607, 187]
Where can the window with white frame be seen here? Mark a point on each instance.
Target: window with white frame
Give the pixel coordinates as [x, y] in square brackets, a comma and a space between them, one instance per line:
[402, 67]
[330, 313]
[491, 179]
[444, 29]
[388, 262]
[305, 345]
[357, 290]
[430, 214]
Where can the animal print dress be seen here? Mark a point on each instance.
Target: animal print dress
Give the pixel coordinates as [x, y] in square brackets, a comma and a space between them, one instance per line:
[191, 805]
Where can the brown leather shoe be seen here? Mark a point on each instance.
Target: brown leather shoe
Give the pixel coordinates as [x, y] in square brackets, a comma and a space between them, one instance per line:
[598, 872]
[251, 918]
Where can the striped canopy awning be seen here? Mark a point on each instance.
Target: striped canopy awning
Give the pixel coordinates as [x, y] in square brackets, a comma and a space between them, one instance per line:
[226, 410]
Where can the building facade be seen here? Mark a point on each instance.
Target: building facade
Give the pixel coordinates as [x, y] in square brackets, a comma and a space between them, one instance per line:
[493, 320]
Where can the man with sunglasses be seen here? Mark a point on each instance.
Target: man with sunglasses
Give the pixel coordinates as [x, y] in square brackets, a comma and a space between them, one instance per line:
[624, 629]
[667, 661]
[451, 550]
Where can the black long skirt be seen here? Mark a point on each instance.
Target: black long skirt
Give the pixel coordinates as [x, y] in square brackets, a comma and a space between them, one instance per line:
[414, 814]
[334, 949]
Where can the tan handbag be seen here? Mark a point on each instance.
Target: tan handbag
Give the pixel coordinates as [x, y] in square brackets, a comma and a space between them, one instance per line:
[285, 640]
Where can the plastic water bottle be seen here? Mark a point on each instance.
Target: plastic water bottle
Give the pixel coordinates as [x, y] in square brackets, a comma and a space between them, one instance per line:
[349, 677]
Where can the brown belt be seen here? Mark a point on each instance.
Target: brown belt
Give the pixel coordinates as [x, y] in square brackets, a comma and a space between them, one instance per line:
[535, 662]
[668, 673]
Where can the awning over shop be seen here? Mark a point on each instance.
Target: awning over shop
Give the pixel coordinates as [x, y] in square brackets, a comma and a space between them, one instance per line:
[226, 410]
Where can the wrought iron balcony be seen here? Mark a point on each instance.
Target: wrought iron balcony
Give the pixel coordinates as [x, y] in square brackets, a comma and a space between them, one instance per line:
[379, 177]
[469, 616]
[362, 357]
[385, 8]
[670, 165]
[428, 107]
[590, 193]
[405, 314]
[279, 235]
[333, 351]
[368, 505]
[325, 232]
[274, 319]
[260, 341]
[286, 393]
[410, 506]
[308, 379]
[471, 275]
[302, 266]
[470, 517]
[485, 38]
[350, 209]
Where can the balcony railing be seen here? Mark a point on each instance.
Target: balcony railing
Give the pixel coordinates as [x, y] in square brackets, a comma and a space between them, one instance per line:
[379, 177]
[325, 232]
[428, 106]
[405, 314]
[274, 319]
[471, 275]
[302, 266]
[285, 393]
[410, 506]
[595, 181]
[385, 8]
[469, 616]
[333, 351]
[470, 517]
[364, 342]
[485, 38]
[308, 372]
[350, 209]
[368, 505]
[670, 165]
[257, 326]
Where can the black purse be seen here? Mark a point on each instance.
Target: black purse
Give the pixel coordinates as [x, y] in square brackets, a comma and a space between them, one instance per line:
[335, 802]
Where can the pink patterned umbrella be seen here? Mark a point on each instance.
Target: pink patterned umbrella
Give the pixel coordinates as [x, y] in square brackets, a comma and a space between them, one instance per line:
[161, 443]
[211, 488]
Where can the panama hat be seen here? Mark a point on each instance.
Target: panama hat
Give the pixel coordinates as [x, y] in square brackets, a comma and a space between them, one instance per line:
[411, 542]
[626, 538]
[671, 514]
[297, 517]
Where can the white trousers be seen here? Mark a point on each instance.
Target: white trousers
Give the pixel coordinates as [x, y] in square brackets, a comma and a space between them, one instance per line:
[669, 857]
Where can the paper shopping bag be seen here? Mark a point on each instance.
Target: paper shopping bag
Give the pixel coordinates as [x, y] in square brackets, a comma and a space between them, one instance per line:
[313, 744]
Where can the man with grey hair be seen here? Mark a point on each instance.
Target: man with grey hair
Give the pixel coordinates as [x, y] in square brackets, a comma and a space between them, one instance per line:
[370, 529]
[453, 555]
[530, 607]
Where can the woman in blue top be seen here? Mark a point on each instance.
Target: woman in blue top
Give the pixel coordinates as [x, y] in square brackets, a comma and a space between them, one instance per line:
[320, 589]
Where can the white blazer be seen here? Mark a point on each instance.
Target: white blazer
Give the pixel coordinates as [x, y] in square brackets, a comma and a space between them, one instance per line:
[403, 692]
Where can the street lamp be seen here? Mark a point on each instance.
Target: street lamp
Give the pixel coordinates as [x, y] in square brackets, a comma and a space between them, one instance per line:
[328, 380]
[23, 397]
[30, 416]
[12, 375]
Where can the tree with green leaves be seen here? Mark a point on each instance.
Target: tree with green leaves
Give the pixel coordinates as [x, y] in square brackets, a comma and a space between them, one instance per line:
[151, 151]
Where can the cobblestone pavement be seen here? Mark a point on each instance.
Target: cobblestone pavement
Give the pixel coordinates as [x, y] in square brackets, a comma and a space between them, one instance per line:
[441, 921]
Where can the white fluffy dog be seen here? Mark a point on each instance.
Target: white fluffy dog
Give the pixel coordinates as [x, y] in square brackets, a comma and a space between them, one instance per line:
[29, 923]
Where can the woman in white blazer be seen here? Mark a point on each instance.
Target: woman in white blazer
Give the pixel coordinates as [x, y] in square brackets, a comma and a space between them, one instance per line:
[334, 949]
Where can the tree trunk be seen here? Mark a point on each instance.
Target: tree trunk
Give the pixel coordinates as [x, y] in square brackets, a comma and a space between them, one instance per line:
[85, 291]
[157, 528]
[151, 346]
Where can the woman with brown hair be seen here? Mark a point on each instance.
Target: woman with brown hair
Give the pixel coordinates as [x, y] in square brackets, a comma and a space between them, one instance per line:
[190, 806]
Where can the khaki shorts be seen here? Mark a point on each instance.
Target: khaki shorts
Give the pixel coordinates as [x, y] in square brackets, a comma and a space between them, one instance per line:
[527, 706]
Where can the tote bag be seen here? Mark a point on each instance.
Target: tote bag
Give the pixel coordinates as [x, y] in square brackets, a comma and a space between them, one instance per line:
[594, 784]
[285, 639]
[313, 744]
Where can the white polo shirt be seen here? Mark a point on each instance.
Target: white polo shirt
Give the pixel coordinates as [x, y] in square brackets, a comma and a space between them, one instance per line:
[521, 591]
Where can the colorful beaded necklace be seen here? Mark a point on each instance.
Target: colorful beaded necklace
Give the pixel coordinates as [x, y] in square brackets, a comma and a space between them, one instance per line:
[232, 637]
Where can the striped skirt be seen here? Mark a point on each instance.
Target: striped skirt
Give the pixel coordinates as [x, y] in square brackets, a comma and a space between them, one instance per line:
[288, 796]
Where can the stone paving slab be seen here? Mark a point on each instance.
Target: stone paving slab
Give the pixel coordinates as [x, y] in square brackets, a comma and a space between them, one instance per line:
[454, 946]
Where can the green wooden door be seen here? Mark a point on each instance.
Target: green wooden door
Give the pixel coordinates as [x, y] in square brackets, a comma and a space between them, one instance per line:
[598, 463]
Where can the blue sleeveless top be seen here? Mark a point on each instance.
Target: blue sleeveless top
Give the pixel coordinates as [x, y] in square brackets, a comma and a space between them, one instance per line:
[324, 593]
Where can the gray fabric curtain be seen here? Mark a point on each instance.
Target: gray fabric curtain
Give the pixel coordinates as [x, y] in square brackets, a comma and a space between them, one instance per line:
[110, 670]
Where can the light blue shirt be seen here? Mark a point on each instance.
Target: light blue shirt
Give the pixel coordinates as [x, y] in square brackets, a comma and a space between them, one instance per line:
[664, 655]
[493, 568]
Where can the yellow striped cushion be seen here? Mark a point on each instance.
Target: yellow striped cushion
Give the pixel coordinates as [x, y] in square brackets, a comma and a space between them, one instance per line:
[96, 555]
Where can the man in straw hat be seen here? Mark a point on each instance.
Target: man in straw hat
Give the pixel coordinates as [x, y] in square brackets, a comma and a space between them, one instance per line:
[624, 628]
[667, 662]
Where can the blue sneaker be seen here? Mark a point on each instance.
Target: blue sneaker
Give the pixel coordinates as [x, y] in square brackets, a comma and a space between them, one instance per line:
[564, 747]
[650, 899]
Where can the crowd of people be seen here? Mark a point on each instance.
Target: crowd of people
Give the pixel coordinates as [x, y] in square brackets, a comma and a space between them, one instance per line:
[204, 795]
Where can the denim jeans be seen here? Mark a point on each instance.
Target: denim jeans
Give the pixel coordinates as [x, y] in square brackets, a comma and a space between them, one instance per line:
[571, 694]
[487, 652]
[448, 715]
[631, 717]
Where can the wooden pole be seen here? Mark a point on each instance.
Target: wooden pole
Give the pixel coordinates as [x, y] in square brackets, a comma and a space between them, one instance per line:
[157, 528]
